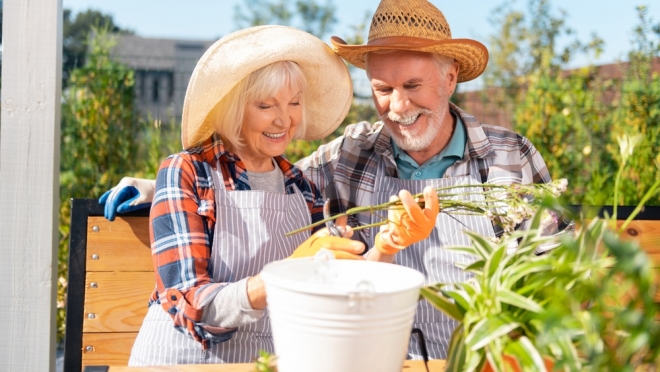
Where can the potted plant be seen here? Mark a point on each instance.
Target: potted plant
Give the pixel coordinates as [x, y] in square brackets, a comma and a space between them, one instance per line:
[586, 304]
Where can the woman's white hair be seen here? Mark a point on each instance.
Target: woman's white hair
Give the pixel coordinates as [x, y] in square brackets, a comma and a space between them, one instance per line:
[266, 82]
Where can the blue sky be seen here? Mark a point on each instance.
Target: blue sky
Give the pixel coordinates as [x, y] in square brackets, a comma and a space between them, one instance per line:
[612, 20]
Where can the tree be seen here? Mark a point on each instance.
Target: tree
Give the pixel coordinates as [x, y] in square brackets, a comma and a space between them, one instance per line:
[526, 42]
[574, 117]
[75, 33]
[637, 112]
[100, 131]
[306, 15]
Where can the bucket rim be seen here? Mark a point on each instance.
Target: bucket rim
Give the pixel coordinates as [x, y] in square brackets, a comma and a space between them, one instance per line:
[317, 288]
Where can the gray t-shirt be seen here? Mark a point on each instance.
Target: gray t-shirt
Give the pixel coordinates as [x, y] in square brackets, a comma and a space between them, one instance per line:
[231, 307]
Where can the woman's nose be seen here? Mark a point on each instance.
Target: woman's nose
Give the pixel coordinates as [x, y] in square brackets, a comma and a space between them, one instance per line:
[283, 118]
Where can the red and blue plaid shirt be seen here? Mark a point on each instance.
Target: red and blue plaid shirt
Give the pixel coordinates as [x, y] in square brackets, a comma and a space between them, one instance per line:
[182, 223]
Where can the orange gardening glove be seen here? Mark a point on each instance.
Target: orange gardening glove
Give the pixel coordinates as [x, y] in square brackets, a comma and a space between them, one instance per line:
[341, 247]
[409, 223]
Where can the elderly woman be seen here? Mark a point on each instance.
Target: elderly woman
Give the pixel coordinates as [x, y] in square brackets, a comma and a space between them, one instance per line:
[222, 206]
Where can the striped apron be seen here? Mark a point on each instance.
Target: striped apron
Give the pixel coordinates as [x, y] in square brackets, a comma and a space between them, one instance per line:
[430, 257]
[249, 233]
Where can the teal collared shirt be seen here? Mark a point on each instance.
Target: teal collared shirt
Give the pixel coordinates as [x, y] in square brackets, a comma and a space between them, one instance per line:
[436, 166]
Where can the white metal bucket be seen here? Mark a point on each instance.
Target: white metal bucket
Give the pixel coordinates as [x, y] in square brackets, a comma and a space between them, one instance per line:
[340, 315]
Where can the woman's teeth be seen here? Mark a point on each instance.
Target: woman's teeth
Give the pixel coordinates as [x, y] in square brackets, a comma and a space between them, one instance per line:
[275, 135]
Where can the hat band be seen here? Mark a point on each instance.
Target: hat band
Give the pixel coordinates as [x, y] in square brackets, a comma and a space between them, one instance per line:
[401, 41]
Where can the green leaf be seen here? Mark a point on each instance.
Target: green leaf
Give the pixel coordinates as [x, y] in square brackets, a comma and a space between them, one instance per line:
[488, 329]
[569, 358]
[493, 262]
[512, 298]
[477, 266]
[471, 250]
[515, 273]
[469, 289]
[482, 245]
[456, 353]
[441, 303]
[528, 355]
[461, 299]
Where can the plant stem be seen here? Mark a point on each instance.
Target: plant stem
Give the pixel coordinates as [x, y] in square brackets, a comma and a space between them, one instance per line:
[639, 206]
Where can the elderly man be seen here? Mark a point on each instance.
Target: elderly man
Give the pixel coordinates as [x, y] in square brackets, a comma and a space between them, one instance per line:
[413, 65]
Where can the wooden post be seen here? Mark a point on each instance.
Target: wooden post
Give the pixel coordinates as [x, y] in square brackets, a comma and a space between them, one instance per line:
[29, 182]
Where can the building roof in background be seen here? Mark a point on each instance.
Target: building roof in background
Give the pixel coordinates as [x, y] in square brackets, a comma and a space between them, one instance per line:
[614, 70]
[157, 54]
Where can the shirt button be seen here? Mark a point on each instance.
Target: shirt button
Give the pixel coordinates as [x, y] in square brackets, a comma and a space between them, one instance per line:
[418, 174]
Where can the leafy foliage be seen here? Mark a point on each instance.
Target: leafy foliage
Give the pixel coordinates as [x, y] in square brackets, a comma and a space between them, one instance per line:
[588, 303]
[307, 15]
[100, 132]
[76, 33]
[573, 117]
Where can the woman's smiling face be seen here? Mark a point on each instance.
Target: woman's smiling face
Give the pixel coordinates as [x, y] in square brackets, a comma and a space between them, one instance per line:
[269, 125]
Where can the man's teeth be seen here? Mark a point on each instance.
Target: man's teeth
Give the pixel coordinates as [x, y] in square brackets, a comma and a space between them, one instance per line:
[408, 121]
[275, 135]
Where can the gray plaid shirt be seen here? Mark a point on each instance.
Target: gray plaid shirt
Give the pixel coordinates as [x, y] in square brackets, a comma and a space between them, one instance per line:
[345, 169]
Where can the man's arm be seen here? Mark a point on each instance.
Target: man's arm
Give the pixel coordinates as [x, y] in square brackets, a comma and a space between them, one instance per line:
[130, 194]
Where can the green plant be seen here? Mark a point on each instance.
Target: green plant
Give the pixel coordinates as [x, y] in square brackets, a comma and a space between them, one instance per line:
[100, 130]
[265, 362]
[572, 304]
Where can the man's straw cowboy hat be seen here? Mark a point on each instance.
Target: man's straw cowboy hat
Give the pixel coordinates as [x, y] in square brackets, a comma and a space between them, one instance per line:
[415, 25]
[236, 55]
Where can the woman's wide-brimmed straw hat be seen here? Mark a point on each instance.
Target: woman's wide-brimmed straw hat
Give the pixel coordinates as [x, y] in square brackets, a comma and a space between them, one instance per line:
[235, 56]
[415, 25]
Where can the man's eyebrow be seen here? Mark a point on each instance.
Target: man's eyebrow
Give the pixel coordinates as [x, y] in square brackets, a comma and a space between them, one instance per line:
[378, 85]
[413, 81]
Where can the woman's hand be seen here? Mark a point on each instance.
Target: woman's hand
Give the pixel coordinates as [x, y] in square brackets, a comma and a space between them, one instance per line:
[341, 246]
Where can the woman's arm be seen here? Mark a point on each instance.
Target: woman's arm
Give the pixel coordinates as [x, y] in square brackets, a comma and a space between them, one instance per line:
[182, 220]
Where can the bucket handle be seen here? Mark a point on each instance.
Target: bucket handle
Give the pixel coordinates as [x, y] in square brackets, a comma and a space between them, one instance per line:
[364, 291]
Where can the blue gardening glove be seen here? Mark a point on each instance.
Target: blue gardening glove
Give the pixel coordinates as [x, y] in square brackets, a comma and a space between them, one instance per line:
[130, 194]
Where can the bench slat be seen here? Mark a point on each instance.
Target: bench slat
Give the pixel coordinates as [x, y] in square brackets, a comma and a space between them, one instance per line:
[120, 245]
[647, 234]
[110, 349]
[119, 301]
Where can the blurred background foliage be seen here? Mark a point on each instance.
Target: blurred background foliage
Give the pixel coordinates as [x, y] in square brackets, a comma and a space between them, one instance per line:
[573, 117]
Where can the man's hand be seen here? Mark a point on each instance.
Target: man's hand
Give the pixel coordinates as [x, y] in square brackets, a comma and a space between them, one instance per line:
[409, 223]
[341, 247]
[130, 194]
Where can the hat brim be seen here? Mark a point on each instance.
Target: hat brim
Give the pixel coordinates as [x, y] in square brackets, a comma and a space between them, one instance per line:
[232, 58]
[471, 55]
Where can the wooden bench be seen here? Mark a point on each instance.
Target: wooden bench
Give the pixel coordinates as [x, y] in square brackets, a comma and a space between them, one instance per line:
[111, 278]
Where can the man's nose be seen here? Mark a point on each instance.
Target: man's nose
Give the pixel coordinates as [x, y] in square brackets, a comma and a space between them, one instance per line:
[398, 102]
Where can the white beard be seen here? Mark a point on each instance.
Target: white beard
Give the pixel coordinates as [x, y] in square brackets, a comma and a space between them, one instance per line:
[421, 138]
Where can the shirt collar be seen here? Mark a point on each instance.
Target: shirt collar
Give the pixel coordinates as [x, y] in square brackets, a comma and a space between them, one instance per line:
[478, 145]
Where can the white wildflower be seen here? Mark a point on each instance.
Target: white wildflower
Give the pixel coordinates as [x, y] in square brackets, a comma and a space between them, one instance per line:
[627, 145]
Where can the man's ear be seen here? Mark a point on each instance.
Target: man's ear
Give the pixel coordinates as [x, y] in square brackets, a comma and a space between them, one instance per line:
[453, 75]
